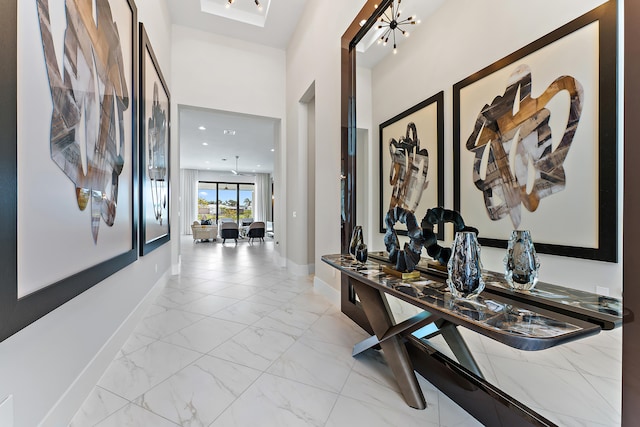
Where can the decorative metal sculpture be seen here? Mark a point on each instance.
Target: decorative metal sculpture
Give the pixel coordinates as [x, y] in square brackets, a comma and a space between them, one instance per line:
[89, 97]
[517, 121]
[441, 216]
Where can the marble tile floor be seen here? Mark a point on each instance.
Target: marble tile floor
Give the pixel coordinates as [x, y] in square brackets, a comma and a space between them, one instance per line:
[236, 341]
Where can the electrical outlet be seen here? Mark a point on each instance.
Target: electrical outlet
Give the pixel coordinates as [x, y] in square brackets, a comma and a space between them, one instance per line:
[294, 214]
[156, 268]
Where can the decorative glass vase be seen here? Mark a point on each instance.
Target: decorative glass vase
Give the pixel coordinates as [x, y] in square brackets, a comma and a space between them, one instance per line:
[361, 253]
[464, 267]
[357, 247]
[356, 239]
[521, 263]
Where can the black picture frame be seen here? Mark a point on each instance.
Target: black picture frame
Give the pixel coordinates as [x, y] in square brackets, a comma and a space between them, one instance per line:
[153, 233]
[606, 151]
[17, 313]
[401, 121]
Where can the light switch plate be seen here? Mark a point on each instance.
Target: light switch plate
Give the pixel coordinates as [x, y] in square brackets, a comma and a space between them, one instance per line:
[6, 412]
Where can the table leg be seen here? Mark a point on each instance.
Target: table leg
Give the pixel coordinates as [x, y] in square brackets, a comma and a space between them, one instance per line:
[395, 353]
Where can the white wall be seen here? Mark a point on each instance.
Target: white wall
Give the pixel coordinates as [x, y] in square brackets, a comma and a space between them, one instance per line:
[313, 56]
[452, 46]
[220, 73]
[51, 366]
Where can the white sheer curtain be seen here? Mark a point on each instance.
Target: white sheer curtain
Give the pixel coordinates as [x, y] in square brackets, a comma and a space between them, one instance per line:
[189, 194]
[262, 211]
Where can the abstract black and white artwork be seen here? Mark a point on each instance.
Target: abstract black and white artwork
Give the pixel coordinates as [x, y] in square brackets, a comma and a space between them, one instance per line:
[154, 149]
[69, 112]
[412, 160]
[535, 142]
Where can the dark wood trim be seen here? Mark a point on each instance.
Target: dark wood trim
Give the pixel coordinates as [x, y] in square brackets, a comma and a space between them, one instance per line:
[16, 314]
[631, 214]
[145, 49]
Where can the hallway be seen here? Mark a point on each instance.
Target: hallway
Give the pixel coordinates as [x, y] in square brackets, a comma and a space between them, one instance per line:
[236, 341]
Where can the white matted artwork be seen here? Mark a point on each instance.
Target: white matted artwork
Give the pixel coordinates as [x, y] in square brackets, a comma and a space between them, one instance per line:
[535, 141]
[402, 170]
[154, 150]
[75, 159]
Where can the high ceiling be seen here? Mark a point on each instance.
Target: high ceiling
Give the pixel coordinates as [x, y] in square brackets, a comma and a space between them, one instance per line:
[272, 26]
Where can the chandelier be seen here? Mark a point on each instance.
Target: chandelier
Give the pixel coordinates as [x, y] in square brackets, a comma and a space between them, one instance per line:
[390, 21]
[258, 5]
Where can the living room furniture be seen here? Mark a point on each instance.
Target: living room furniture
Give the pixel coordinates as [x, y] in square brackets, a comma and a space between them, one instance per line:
[229, 230]
[204, 232]
[525, 320]
[256, 231]
[246, 221]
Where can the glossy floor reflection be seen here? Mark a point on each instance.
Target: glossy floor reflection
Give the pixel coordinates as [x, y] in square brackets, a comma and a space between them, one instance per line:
[237, 341]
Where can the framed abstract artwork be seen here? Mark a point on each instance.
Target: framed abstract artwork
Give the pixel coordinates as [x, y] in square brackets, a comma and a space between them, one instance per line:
[154, 150]
[535, 142]
[412, 161]
[68, 151]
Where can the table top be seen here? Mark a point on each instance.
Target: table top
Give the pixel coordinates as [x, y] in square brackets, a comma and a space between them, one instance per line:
[602, 310]
[510, 321]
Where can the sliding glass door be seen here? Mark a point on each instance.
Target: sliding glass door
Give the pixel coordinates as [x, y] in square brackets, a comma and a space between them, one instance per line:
[225, 201]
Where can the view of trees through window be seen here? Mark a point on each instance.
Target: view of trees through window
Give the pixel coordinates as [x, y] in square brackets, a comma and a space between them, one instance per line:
[220, 200]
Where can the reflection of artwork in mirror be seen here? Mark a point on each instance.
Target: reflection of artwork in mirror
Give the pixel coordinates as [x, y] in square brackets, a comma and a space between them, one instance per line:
[537, 129]
[411, 160]
[69, 150]
[154, 150]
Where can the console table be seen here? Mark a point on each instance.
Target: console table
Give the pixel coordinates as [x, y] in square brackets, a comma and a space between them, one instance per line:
[523, 320]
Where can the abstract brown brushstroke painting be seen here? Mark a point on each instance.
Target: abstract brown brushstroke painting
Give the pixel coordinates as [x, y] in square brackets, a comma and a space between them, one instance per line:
[409, 167]
[89, 98]
[527, 131]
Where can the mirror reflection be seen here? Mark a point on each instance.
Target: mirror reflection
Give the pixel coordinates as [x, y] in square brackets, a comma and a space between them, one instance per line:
[578, 383]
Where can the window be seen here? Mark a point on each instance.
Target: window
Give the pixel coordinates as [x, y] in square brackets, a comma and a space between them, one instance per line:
[225, 200]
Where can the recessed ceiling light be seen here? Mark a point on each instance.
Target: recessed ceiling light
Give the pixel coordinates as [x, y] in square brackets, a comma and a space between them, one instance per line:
[202, 128]
[273, 149]
[229, 132]
[257, 166]
[205, 143]
[207, 161]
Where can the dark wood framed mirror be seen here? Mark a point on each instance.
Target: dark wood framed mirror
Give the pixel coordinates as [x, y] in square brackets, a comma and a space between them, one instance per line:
[484, 400]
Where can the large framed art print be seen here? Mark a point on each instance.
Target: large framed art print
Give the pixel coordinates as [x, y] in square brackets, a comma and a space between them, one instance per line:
[154, 150]
[68, 151]
[412, 161]
[535, 142]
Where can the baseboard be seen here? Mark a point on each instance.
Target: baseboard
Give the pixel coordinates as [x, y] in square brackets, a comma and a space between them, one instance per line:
[176, 268]
[75, 395]
[326, 290]
[300, 270]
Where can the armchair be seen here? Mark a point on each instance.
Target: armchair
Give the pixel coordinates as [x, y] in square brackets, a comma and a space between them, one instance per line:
[256, 231]
[229, 230]
[204, 232]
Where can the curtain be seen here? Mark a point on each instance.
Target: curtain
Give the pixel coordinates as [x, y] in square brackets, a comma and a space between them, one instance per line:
[262, 210]
[189, 194]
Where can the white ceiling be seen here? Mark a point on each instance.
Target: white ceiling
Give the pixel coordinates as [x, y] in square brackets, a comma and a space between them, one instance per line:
[254, 138]
[253, 141]
[272, 26]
